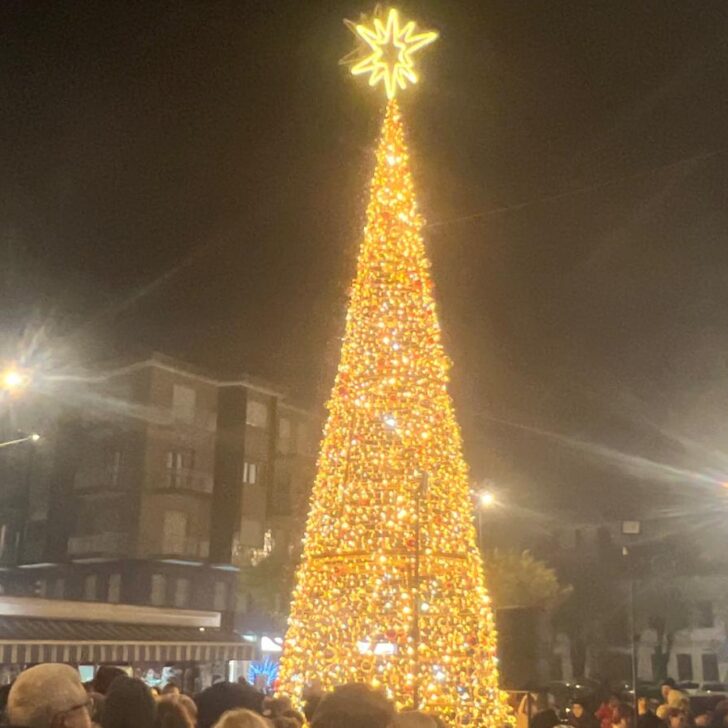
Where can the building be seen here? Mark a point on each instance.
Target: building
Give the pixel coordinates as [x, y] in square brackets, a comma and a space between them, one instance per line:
[156, 487]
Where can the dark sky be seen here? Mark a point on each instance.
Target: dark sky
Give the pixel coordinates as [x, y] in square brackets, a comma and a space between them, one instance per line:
[191, 177]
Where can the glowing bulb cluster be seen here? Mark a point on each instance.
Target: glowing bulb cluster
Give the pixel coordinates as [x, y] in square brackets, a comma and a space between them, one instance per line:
[390, 590]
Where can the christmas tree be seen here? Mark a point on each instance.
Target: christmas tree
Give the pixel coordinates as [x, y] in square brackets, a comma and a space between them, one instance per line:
[390, 590]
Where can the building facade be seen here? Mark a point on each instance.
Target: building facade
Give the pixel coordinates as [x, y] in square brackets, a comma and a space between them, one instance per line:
[157, 487]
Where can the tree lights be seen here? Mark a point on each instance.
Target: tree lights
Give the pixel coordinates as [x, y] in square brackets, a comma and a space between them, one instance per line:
[390, 590]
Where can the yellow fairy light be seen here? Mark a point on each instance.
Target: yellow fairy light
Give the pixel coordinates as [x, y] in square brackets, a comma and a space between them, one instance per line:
[392, 47]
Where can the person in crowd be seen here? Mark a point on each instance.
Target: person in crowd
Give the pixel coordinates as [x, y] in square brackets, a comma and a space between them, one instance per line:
[189, 705]
[172, 714]
[676, 718]
[353, 706]
[241, 718]
[103, 678]
[580, 717]
[666, 686]
[49, 696]
[281, 713]
[703, 719]
[97, 711]
[225, 696]
[605, 712]
[526, 710]
[129, 704]
[414, 719]
[646, 718]
[675, 699]
[623, 716]
[545, 716]
[171, 688]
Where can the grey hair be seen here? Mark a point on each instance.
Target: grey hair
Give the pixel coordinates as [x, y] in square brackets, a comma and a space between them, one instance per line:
[43, 691]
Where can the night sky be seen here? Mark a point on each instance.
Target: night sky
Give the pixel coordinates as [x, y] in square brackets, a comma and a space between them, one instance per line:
[191, 177]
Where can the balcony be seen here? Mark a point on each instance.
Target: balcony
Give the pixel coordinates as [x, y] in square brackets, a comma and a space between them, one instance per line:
[101, 478]
[183, 479]
[108, 543]
[194, 548]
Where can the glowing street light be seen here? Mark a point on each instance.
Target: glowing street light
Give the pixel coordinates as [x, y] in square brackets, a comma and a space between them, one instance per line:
[14, 379]
[486, 499]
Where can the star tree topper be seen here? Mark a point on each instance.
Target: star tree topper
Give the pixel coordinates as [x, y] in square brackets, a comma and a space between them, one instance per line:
[392, 46]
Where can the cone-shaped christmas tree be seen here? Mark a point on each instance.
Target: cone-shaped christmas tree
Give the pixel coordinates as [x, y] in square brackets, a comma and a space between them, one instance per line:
[390, 590]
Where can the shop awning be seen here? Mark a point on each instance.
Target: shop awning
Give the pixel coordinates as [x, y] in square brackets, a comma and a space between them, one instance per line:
[28, 640]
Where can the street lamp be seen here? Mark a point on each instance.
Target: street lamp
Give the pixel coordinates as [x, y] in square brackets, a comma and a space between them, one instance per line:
[14, 379]
[485, 500]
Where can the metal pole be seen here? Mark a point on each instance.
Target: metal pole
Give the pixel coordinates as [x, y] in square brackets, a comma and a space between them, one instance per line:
[25, 502]
[633, 643]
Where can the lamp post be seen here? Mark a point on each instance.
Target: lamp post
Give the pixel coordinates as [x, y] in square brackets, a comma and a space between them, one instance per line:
[485, 500]
[14, 379]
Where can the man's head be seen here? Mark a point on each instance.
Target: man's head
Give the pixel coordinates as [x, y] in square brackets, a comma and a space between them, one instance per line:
[353, 706]
[643, 705]
[171, 688]
[49, 696]
[665, 686]
[676, 718]
[577, 709]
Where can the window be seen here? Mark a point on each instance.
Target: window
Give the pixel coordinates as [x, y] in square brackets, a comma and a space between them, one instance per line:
[89, 588]
[182, 592]
[284, 435]
[684, 667]
[705, 614]
[710, 667]
[158, 592]
[256, 414]
[250, 473]
[183, 403]
[179, 462]
[59, 588]
[219, 597]
[174, 532]
[113, 593]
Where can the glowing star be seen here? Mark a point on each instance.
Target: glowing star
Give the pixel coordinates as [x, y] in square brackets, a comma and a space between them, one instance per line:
[392, 47]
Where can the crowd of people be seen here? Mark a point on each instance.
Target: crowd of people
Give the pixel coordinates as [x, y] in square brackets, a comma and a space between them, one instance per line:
[53, 696]
[673, 709]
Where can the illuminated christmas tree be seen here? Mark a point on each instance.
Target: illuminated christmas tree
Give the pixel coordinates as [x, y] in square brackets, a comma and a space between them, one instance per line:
[390, 590]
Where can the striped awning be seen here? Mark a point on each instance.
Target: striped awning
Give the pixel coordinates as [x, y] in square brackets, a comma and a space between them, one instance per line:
[24, 641]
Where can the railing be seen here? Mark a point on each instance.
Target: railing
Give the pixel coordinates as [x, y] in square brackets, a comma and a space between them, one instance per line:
[193, 547]
[98, 543]
[183, 479]
[101, 478]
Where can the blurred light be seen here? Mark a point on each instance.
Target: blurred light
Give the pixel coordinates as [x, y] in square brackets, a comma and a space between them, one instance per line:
[35, 437]
[14, 379]
[486, 499]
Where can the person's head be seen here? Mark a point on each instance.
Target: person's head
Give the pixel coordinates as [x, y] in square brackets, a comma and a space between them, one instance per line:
[172, 714]
[224, 696]
[189, 705]
[105, 675]
[129, 704]
[171, 688]
[241, 718]
[643, 705]
[675, 718]
[678, 699]
[665, 686]
[414, 719]
[703, 719]
[354, 706]
[623, 715]
[577, 709]
[49, 696]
